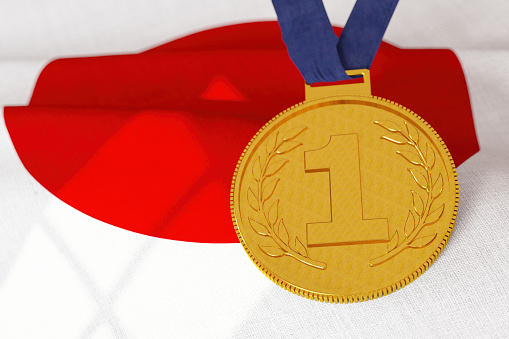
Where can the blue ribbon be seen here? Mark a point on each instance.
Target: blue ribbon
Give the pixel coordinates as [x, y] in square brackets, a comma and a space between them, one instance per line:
[315, 49]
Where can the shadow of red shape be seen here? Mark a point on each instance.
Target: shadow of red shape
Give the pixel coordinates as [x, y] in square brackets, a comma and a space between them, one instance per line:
[130, 140]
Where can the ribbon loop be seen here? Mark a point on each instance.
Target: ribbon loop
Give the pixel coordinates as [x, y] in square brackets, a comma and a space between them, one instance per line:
[315, 49]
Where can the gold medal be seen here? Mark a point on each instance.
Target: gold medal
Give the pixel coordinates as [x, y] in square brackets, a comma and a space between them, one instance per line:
[344, 197]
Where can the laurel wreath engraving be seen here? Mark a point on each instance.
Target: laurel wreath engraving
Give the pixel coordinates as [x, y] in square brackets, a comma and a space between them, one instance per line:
[426, 209]
[271, 224]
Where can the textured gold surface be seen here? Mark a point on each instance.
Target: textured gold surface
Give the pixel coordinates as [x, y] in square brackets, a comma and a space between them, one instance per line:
[344, 198]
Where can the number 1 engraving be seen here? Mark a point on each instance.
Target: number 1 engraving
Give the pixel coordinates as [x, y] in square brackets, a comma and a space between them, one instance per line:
[347, 225]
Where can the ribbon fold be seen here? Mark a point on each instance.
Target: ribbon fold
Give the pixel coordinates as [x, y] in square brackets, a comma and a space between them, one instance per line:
[317, 52]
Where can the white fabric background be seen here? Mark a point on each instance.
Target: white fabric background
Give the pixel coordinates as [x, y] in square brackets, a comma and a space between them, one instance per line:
[66, 275]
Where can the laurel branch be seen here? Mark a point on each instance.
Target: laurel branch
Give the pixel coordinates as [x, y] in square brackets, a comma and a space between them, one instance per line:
[271, 224]
[426, 211]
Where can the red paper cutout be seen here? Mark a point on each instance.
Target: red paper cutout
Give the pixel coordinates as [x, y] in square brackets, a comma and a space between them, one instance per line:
[137, 142]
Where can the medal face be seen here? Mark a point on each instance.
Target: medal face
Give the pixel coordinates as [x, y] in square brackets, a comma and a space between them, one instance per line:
[344, 198]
